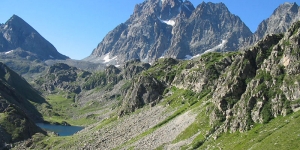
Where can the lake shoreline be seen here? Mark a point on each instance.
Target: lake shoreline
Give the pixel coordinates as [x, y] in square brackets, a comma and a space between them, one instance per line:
[60, 130]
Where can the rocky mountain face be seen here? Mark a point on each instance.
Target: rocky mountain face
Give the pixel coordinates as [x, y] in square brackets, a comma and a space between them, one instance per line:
[177, 29]
[24, 50]
[171, 28]
[246, 87]
[279, 22]
[17, 113]
[19, 37]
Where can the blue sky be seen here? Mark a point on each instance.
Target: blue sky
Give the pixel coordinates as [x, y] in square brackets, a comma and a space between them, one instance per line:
[75, 27]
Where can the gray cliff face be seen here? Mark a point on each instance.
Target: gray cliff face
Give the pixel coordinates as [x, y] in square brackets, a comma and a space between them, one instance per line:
[279, 22]
[171, 28]
[211, 27]
[144, 90]
[16, 34]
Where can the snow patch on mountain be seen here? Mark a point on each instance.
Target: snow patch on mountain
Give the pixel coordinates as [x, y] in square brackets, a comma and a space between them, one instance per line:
[107, 59]
[9, 52]
[189, 57]
[168, 22]
[216, 47]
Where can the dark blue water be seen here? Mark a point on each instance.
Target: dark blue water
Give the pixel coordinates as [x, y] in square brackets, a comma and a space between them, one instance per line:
[61, 130]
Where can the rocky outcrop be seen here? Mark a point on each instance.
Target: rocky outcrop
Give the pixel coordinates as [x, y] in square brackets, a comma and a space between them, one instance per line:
[148, 87]
[134, 67]
[64, 77]
[253, 88]
[230, 95]
[144, 90]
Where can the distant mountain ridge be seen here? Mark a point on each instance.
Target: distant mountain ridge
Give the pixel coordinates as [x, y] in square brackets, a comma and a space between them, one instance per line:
[176, 29]
[279, 22]
[17, 35]
[28, 53]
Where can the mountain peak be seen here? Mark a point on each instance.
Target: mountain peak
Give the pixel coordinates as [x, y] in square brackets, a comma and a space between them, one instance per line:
[14, 16]
[286, 7]
[171, 1]
[18, 34]
[171, 28]
[164, 9]
[213, 5]
[15, 19]
[279, 22]
[17, 22]
[289, 4]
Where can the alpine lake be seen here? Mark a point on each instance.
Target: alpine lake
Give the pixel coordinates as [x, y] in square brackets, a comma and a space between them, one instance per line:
[60, 129]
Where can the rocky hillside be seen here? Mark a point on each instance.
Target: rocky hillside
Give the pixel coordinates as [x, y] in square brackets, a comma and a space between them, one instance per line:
[251, 96]
[262, 79]
[171, 28]
[62, 78]
[176, 29]
[17, 113]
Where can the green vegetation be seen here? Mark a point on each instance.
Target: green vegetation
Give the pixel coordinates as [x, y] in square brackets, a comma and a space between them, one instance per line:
[95, 80]
[179, 97]
[126, 85]
[296, 27]
[16, 124]
[279, 133]
[64, 109]
[266, 112]
[164, 69]
[211, 59]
